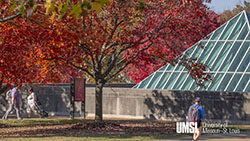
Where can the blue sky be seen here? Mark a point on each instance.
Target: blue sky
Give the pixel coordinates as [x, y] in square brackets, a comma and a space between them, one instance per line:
[221, 5]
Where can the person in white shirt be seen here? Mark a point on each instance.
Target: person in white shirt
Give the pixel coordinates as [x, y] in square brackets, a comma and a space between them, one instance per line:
[32, 103]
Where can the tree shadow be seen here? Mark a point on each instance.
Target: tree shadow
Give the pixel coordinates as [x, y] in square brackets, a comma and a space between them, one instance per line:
[3, 104]
[54, 99]
[173, 105]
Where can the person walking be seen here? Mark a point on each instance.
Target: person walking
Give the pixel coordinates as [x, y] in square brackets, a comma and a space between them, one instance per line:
[32, 103]
[8, 96]
[15, 102]
[195, 114]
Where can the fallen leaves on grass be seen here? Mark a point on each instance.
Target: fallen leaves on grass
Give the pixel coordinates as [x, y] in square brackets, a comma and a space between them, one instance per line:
[89, 127]
[5, 125]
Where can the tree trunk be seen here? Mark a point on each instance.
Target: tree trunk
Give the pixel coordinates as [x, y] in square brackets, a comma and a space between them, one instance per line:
[98, 100]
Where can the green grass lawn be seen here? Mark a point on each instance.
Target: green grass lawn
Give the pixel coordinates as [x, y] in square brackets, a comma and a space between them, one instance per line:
[64, 129]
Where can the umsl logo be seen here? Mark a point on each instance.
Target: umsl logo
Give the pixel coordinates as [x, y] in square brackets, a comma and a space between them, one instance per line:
[186, 127]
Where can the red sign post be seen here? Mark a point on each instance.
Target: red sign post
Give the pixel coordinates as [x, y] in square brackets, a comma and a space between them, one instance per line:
[77, 90]
[80, 89]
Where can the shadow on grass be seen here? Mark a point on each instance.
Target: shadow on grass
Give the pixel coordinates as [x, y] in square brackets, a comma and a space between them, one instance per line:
[37, 122]
[141, 136]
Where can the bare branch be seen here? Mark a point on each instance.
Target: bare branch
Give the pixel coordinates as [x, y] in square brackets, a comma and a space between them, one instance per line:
[113, 31]
[111, 63]
[10, 17]
[89, 52]
[81, 68]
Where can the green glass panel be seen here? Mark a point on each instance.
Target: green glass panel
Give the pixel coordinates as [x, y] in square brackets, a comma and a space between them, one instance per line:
[234, 82]
[218, 32]
[239, 57]
[230, 27]
[180, 81]
[224, 82]
[215, 82]
[194, 86]
[187, 83]
[237, 29]
[171, 81]
[248, 37]
[155, 79]
[206, 83]
[201, 89]
[243, 83]
[248, 17]
[194, 53]
[179, 68]
[163, 80]
[229, 57]
[170, 67]
[163, 68]
[202, 44]
[214, 53]
[248, 88]
[243, 33]
[145, 82]
[206, 51]
[135, 86]
[197, 52]
[221, 56]
[208, 36]
[248, 69]
[185, 69]
[190, 50]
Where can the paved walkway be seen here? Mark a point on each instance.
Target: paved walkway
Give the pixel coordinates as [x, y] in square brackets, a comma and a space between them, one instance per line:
[243, 136]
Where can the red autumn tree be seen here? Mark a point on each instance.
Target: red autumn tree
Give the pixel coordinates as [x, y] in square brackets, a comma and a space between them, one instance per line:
[19, 42]
[104, 43]
[22, 32]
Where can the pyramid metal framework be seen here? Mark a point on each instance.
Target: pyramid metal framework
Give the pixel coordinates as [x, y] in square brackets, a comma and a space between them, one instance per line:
[226, 53]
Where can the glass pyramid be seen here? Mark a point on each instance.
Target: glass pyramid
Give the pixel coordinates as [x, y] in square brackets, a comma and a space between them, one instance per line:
[226, 53]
